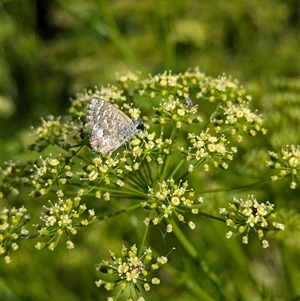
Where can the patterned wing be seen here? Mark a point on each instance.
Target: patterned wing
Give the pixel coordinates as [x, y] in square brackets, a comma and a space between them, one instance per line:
[110, 127]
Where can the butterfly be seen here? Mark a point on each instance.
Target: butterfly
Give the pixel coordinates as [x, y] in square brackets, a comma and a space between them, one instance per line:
[110, 127]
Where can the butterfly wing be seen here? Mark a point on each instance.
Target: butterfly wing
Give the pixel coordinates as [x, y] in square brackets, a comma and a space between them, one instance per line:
[110, 127]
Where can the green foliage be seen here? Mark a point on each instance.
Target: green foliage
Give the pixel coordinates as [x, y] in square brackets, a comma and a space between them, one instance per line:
[50, 49]
[182, 159]
[207, 166]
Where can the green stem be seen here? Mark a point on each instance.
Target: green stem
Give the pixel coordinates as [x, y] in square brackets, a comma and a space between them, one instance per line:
[167, 157]
[177, 167]
[143, 241]
[148, 173]
[107, 28]
[184, 241]
[115, 213]
[160, 167]
[211, 117]
[115, 34]
[170, 44]
[190, 283]
[202, 264]
[138, 180]
[246, 186]
[128, 193]
[221, 219]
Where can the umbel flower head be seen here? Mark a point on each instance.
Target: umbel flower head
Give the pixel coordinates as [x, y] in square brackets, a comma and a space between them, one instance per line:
[287, 164]
[130, 271]
[61, 218]
[174, 131]
[192, 123]
[12, 228]
[172, 200]
[250, 217]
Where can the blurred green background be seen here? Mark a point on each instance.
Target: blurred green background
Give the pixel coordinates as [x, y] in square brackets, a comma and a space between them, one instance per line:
[50, 50]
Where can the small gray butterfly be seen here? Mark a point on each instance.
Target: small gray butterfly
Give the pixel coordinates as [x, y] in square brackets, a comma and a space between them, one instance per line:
[110, 127]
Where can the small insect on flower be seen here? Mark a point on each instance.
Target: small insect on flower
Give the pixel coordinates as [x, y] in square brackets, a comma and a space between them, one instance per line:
[110, 127]
[188, 103]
